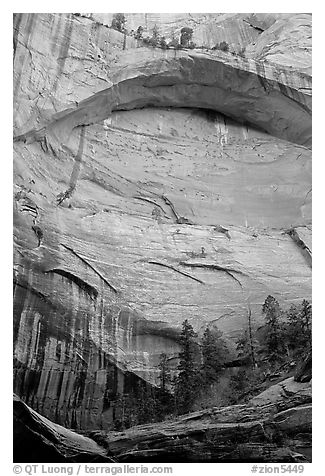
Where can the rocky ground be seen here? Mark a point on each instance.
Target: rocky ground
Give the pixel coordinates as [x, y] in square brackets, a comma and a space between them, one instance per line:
[274, 426]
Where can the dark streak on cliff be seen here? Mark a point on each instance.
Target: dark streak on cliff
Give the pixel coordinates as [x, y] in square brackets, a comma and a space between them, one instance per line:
[91, 290]
[177, 271]
[90, 266]
[214, 267]
[305, 250]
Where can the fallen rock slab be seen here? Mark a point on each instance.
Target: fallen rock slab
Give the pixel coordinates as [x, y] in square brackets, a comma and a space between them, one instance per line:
[37, 439]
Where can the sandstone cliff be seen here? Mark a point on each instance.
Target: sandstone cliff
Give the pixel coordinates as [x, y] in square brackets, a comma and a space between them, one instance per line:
[151, 186]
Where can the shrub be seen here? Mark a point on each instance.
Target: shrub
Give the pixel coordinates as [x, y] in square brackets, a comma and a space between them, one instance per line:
[163, 43]
[245, 384]
[222, 46]
[241, 52]
[118, 22]
[139, 33]
[150, 41]
[155, 32]
[174, 43]
[154, 40]
[186, 36]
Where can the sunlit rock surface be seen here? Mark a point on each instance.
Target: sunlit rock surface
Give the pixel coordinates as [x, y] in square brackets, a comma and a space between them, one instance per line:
[160, 186]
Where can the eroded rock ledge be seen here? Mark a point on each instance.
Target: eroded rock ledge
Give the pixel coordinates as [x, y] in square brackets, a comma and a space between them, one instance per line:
[275, 426]
[248, 91]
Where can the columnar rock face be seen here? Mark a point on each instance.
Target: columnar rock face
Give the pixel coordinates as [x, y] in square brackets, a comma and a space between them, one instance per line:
[151, 187]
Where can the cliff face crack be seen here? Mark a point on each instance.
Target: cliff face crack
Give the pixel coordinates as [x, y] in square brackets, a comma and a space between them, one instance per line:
[92, 267]
[305, 199]
[221, 229]
[171, 206]
[306, 251]
[88, 288]
[144, 199]
[178, 219]
[257, 28]
[75, 171]
[176, 270]
[39, 234]
[64, 195]
[215, 267]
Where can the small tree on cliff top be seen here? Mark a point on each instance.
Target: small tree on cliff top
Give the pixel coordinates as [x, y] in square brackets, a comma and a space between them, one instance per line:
[118, 22]
[139, 32]
[186, 36]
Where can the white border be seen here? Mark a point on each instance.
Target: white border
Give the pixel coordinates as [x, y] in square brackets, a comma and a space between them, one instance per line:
[275, 6]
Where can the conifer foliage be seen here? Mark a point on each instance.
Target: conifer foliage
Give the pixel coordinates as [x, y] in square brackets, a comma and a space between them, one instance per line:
[274, 342]
[186, 36]
[299, 330]
[164, 372]
[283, 340]
[118, 22]
[187, 381]
[214, 355]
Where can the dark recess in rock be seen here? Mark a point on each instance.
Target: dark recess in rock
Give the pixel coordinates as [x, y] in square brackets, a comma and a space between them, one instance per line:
[304, 370]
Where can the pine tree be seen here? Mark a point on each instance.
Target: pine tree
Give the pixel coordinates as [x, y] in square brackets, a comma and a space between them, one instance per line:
[244, 346]
[164, 398]
[214, 354]
[299, 328]
[251, 340]
[155, 32]
[306, 321]
[186, 36]
[154, 40]
[275, 345]
[125, 412]
[164, 372]
[248, 345]
[186, 384]
[118, 22]
[146, 407]
[139, 32]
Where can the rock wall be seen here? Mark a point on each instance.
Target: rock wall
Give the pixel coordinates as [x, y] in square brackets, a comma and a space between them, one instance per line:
[150, 187]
